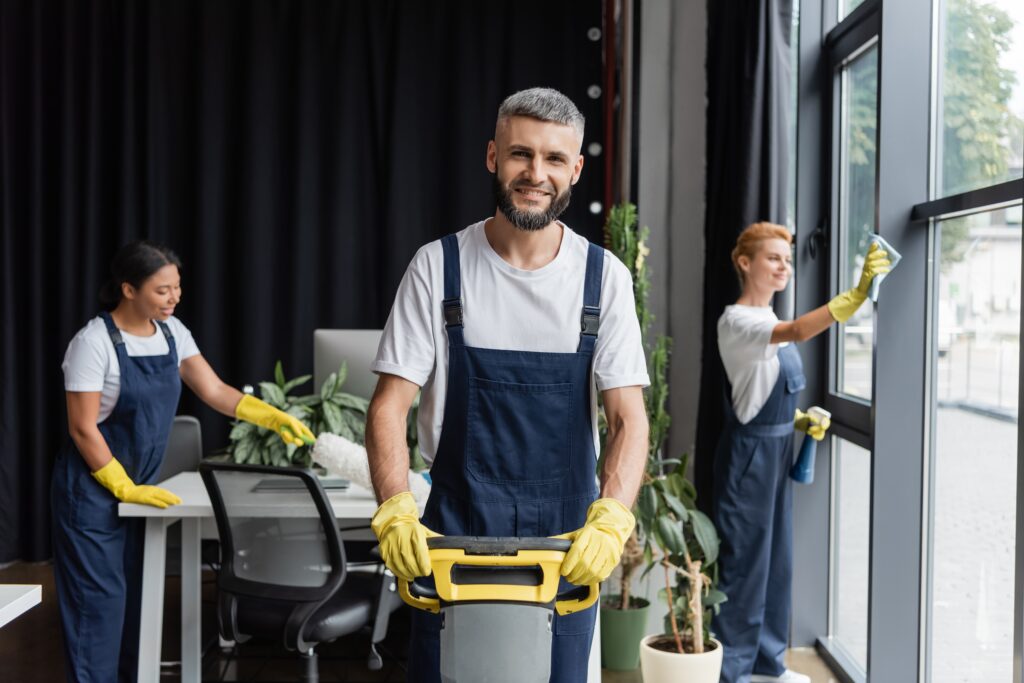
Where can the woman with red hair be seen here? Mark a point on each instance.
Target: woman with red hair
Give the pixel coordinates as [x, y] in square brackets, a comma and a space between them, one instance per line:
[753, 500]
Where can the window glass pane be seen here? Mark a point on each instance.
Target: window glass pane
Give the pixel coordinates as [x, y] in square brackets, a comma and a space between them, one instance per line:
[858, 151]
[847, 6]
[976, 341]
[981, 94]
[850, 534]
[791, 121]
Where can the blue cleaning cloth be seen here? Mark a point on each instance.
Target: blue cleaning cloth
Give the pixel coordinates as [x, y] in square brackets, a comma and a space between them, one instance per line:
[894, 258]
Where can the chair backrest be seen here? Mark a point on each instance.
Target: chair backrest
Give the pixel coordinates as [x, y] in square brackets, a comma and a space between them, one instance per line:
[278, 539]
[356, 348]
[184, 447]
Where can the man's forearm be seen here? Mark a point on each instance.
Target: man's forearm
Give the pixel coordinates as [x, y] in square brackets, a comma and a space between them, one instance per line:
[388, 453]
[625, 460]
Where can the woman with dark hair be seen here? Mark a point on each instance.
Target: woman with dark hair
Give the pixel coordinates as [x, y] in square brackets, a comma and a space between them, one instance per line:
[122, 378]
[753, 497]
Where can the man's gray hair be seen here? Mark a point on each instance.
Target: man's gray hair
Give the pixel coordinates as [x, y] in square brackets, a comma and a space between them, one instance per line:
[545, 104]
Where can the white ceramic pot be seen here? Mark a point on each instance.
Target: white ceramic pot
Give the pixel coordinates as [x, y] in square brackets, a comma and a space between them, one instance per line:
[658, 666]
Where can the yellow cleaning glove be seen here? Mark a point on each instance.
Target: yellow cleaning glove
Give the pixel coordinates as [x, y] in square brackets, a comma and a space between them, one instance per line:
[403, 540]
[113, 478]
[811, 424]
[846, 304]
[289, 428]
[597, 545]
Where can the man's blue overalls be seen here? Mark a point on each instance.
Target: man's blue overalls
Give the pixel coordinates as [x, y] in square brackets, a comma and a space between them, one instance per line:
[98, 555]
[753, 512]
[516, 456]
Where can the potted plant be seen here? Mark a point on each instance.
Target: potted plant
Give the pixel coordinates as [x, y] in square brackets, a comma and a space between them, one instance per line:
[330, 410]
[623, 615]
[671, 532]
[681, 541]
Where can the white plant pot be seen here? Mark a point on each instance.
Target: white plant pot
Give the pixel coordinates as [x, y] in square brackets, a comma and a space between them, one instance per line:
[658, 666]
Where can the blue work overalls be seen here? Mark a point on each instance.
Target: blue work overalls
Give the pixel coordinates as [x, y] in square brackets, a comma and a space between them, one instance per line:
[98, 555]
[516, 456]
[753, 512]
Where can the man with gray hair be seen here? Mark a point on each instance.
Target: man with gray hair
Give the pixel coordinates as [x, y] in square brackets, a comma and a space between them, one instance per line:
[509, 328]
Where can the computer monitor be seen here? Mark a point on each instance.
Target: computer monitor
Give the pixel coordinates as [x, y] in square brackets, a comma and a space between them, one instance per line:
[357, 348]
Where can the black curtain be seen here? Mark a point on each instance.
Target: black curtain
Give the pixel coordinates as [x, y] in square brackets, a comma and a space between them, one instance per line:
[748, 76]
[295, 154]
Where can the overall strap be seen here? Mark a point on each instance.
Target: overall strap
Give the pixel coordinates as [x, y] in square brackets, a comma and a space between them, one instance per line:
[115, 334]
[452, 303]
[590, 319]
[172, 348]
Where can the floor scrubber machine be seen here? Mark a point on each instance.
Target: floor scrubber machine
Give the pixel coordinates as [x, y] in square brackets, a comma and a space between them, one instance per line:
[497, 598]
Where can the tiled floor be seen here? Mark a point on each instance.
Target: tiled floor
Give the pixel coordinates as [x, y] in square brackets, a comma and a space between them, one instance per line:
[30, 646]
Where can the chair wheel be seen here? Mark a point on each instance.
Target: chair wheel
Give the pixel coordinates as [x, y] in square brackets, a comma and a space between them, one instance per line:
[374, 662]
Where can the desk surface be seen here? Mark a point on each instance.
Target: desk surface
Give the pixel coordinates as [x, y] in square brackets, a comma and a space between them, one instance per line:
[355, 502]
[16, 599]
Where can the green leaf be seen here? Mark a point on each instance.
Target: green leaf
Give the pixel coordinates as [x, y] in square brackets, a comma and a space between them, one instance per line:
[311, 400]
[327, 389]
[272, 394]
[713, 598]
[342, 376]
[671, 534]
[241, 429]
[647, 502]
[298, 381]
[279, 375]
[333, 418]
[349, 401]
[707, 537]
[676, 506]
[356, 424]
[669, 461]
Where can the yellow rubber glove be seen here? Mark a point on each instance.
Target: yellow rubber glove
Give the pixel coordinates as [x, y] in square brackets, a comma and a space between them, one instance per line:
[113, 478]
[597, 545]
[403, 540]
[846, 304]
[289, 428]
[811, 424]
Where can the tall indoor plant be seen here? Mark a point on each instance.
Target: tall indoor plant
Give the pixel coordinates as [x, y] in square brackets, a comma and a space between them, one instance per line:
[623, 615]
[671, 533]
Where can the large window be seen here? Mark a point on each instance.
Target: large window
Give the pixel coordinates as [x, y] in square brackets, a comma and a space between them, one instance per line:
[851, 518]
[980, 127]
[976, 354]
[975, 294]
[919, 114]
[858, 158]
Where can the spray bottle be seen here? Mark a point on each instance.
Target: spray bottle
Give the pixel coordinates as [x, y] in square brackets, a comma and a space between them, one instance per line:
[802, 471]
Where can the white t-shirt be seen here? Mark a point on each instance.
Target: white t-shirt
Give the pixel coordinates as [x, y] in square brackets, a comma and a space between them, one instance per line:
[751, 361]
[90, 363]
[507, 308]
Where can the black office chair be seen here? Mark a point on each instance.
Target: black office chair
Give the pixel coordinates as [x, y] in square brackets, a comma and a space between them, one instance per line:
[184, 447]
[283, 574]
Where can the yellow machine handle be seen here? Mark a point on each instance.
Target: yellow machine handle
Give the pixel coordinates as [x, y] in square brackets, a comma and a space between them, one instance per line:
[570, 605]
[423, 603]
[475, 569]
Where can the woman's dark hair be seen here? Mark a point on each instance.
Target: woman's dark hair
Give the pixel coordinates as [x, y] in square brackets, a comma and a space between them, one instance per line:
[134, 263]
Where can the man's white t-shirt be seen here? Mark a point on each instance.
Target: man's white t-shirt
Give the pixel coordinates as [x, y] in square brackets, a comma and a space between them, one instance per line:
[751, 361]
[90, 363]
[511, 309]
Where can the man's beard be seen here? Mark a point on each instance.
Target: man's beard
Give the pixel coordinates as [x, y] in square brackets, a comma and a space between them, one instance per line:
[528, 220]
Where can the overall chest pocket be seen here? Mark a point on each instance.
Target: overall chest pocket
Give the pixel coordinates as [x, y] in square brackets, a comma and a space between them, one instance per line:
[518, 433]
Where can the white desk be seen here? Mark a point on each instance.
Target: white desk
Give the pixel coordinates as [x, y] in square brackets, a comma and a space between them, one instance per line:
[352, 507]
[16, 599]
